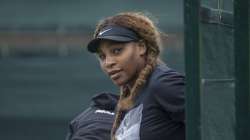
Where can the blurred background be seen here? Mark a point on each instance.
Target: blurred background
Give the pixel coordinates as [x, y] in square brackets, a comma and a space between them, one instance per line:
[46, 75]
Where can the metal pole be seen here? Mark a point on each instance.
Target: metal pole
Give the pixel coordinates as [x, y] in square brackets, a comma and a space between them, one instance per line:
[242, 69]
[192, 66]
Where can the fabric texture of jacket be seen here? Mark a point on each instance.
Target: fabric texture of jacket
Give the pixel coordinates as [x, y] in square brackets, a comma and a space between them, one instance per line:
[95, 122]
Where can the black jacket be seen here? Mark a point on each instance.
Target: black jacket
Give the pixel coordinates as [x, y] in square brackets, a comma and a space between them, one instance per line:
[159, 110]
[95, 122]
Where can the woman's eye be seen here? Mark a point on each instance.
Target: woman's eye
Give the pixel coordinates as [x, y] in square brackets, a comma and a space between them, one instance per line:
[117, 50]
[101, 56]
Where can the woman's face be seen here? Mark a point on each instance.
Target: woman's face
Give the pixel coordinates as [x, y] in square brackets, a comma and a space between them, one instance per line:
[121, 61]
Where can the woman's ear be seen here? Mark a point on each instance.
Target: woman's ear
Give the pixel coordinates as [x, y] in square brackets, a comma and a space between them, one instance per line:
[142, 48]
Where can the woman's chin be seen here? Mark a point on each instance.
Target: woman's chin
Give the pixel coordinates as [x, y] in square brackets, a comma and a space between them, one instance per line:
[119, 82]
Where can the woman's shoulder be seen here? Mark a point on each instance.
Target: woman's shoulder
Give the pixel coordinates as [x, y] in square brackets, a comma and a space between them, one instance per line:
[167, 88]
[165, 75]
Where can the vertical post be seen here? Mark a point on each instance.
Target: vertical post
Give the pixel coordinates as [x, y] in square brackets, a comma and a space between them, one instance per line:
[192, 66]
[242, 69]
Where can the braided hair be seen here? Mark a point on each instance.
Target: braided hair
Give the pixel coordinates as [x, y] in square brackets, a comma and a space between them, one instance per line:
[150, 35]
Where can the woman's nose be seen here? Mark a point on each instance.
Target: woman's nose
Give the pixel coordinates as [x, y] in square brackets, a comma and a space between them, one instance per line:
[109, 62]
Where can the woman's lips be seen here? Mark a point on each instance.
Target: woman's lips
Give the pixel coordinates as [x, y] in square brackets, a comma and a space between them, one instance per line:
[115, 74]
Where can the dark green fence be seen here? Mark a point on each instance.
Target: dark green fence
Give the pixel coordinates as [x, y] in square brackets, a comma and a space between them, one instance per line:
[217, 67]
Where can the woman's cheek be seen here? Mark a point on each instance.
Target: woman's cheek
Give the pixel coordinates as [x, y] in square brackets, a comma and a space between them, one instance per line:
[103, 68]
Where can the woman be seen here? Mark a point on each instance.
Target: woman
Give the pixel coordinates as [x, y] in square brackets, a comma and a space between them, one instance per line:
[151, 104]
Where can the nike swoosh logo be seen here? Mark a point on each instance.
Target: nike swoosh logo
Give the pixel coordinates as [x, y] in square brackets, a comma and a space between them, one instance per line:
[104, 31]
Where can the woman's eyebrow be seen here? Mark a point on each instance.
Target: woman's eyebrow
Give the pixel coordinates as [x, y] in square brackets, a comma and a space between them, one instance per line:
[99, 50]
[115, 43]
